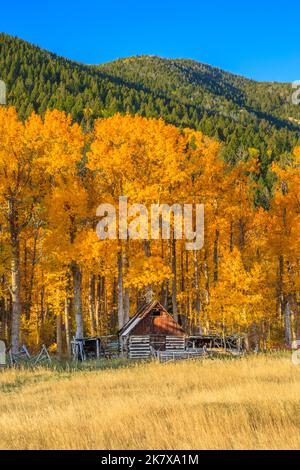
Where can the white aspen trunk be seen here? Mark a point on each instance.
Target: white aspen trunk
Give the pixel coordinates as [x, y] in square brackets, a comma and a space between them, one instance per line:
[15, 281]
[164, 286]
[67, 325]
[126, 304]
[91, 300]
[59, 336]
[77, 287]
[206, 302]
[246, 342]
[182, 317]
[216, 256]
[126, 290]
[174, 281]
[120, 290]
[16, 300]
[148, 292]
[256, 337]
[98, 304]
[280, 287]
[288, 324]
[197, 289]
[187, 307]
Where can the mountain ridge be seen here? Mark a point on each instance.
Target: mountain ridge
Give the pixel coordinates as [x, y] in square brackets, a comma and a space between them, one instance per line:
[176, 59]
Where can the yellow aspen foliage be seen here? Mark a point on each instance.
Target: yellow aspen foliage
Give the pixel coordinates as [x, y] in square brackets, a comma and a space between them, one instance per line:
[57, 279]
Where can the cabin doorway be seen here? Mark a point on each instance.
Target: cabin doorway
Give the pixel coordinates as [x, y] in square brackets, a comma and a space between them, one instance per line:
[158, 342]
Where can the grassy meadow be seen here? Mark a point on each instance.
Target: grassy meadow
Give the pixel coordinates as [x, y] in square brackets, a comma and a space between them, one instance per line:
[247, 403]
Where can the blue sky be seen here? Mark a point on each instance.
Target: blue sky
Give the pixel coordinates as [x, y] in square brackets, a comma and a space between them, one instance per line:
[258, 39]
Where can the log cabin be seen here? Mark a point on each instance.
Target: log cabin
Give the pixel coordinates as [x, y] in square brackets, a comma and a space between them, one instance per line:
[151, 328]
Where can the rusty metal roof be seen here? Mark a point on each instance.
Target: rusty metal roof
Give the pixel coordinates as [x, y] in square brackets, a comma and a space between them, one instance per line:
[142, 311]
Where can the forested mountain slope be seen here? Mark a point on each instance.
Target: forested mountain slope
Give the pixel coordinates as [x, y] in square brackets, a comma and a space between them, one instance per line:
[241, 112]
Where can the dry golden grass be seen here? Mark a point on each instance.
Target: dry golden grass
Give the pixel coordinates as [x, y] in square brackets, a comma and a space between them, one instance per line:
[249, 403]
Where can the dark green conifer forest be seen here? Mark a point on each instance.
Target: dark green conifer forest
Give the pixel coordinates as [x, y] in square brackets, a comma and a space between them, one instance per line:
[247, 116]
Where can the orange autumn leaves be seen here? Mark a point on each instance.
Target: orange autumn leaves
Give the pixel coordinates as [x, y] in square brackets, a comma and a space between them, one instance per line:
[55, 175]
